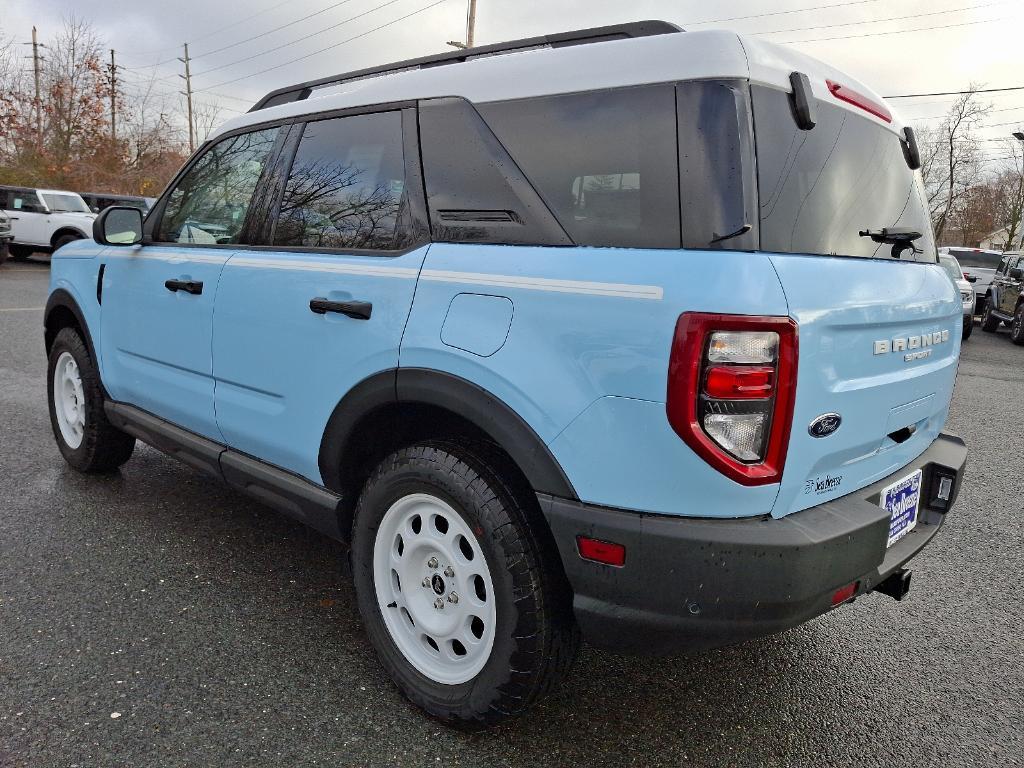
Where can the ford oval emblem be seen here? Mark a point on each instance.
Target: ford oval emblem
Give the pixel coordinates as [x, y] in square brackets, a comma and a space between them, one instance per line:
[825, 425]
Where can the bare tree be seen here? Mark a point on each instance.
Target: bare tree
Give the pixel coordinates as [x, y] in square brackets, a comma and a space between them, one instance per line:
[1009, 184]
[206, 117]
[951, 157]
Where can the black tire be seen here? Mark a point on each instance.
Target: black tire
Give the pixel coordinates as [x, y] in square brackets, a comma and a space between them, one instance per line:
[989, 322]
[4, 253]
[968, 326]
[536, 638]
[1017, 326]
[21, 252]
[64, 240]
[103, 447]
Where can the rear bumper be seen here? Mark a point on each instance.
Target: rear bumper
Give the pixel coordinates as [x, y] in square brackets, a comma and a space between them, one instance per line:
[692, 583]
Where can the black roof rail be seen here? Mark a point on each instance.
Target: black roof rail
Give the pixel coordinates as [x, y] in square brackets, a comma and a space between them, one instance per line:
[302, 91]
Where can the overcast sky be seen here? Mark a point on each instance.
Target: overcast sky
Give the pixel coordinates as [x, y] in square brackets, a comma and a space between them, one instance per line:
[979, 48]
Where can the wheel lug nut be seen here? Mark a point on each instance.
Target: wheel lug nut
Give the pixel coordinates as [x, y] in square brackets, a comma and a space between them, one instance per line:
[453, 598]
[426, 582]
[432, 562]
[439, 604]
[449, 572]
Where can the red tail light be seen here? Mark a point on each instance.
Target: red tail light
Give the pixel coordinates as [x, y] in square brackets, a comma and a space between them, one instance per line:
[850, 96]
[731, 389]
[739, 382]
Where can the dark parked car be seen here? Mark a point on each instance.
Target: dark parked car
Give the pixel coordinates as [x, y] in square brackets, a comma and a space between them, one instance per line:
[98, 201]
[1005, 302]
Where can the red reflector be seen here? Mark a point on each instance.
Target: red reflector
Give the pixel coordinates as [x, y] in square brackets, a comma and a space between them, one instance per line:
[850, 96]
[734, 382]
[844, 593]
[606, 552]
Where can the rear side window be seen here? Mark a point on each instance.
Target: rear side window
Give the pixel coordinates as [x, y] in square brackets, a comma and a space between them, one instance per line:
[209, 203]
[346, 184]
[604, 162]
[820, 188]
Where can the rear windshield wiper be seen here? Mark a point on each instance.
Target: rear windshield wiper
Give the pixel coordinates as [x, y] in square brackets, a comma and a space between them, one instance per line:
[900, 238]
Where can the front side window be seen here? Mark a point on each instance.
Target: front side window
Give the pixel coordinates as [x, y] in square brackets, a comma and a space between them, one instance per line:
[346, 184]
[210, 202]
[604, 162]
[60, 202]
[820, 188]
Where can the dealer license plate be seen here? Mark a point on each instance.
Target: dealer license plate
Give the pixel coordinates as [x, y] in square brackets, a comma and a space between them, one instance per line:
[903, 500]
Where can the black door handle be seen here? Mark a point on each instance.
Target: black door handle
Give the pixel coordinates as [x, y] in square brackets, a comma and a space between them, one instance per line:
[358, 310]
[195, 287]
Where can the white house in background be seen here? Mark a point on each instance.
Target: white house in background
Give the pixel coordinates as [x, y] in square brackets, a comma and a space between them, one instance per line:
[996, 241]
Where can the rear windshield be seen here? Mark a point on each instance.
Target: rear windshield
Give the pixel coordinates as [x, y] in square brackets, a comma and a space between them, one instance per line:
[971, 258]
[820, 188]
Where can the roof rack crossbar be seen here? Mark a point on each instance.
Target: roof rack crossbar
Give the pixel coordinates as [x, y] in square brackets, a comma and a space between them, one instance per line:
[301, 91]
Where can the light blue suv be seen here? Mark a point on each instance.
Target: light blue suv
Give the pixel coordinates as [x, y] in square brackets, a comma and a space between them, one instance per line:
[635, 335]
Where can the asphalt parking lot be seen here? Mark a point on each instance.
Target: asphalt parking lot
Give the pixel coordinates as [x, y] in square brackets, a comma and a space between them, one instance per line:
[152, 618]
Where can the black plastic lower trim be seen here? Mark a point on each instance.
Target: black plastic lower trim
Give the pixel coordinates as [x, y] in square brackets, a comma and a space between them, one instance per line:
[280, 489]
[692, 583]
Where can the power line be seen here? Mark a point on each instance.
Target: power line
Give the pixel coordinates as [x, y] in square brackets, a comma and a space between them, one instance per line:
[899, 31]
[880, 21]
[296, 40]
[779, 13]
[271, 31]
[211, 33]
[328, 48]
[959, 93]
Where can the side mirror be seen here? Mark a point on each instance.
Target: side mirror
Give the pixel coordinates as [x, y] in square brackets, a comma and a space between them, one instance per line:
[118, 225]
[971, 278]
[1017, 274]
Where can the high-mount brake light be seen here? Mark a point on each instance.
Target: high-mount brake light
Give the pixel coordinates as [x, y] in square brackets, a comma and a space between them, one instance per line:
[731, 390]
[858, 99]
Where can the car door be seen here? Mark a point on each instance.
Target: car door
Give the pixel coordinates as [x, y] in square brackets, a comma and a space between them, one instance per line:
[304, 318]
[29, 217]
[158, 298]
[1009, 278]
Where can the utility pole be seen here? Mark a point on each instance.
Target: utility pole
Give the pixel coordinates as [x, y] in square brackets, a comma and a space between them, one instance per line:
[188, 95]
[471, 24]
[470, 28]
[36, 71]
[113, 98]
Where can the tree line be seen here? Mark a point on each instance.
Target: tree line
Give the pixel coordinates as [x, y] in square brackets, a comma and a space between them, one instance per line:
[974, 185]
[68, 138]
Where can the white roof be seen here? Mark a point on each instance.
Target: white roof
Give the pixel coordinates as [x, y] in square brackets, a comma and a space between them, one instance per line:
[593, 66]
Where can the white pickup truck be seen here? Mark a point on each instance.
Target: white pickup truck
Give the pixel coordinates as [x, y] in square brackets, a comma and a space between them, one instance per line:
[43, 220]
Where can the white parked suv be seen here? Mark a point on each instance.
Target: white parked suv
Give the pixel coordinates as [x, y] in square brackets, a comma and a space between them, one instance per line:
[44, 219]
[979, 266]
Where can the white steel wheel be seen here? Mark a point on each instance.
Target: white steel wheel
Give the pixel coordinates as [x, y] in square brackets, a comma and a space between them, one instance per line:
[434, 589]
[69, 400]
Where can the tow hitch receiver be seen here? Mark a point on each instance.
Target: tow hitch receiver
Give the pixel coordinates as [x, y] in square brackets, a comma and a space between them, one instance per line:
[897, 585]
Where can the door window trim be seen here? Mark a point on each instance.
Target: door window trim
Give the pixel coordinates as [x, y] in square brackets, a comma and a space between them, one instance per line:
[287, 140]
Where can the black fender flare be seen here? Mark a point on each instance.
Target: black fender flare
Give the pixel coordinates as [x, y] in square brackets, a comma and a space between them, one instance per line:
[431, 387]
[61, 298]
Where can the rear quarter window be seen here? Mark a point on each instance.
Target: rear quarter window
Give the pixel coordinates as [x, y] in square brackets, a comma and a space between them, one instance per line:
[604, 162]
[820, 188]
